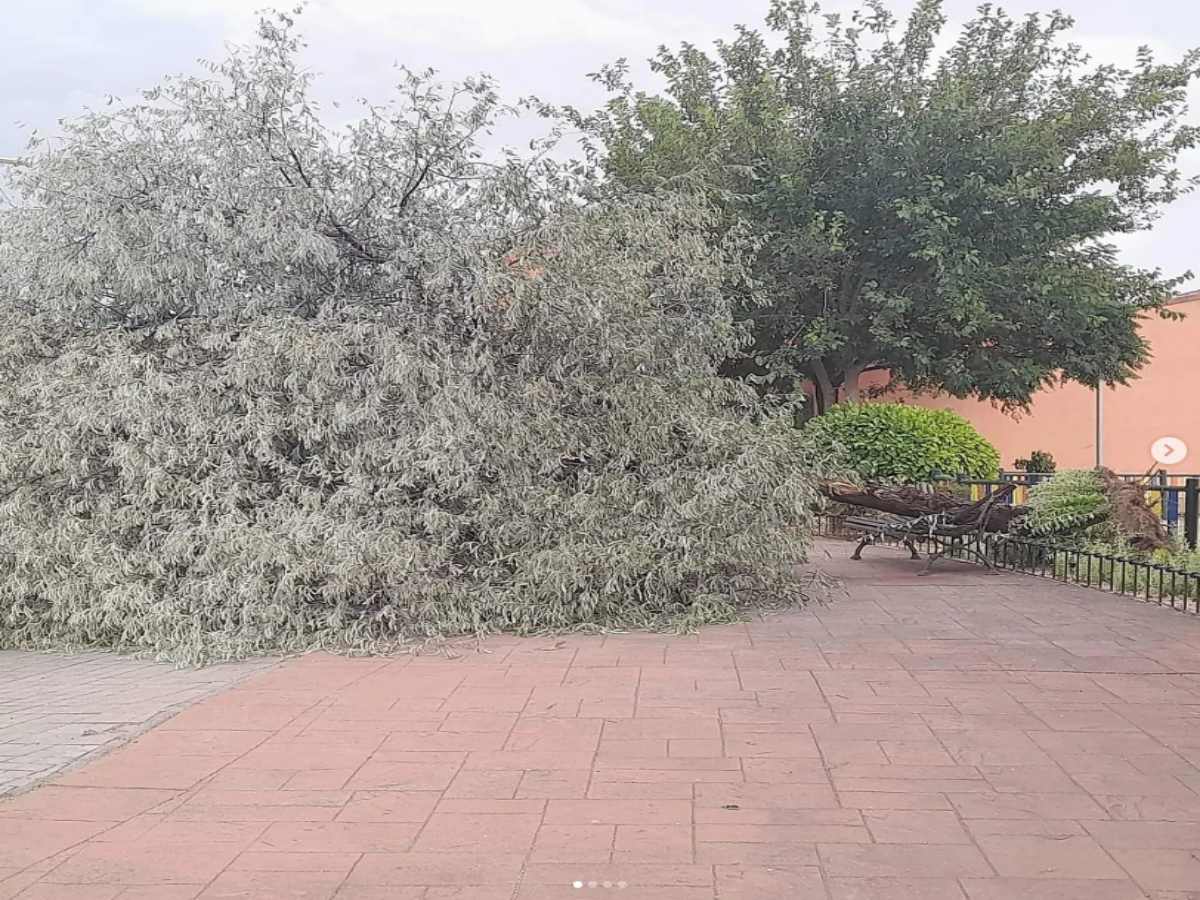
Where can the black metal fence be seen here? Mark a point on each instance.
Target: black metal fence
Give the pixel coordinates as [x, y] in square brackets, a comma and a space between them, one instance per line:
[1140, 578]
[1176, 498]
[1144, 579]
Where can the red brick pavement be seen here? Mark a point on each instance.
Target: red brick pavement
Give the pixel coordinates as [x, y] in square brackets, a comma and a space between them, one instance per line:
[961, 737]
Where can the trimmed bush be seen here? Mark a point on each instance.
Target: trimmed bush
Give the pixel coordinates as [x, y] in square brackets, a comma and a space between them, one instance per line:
[897, 442]
[268, 388]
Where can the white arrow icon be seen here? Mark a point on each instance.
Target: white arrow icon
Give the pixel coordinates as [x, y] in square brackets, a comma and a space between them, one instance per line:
[1168, 451]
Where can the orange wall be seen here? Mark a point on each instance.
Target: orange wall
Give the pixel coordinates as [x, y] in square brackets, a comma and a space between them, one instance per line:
[1163, 401]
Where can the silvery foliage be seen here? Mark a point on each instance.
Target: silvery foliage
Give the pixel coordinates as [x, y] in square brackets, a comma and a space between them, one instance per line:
[268, 385]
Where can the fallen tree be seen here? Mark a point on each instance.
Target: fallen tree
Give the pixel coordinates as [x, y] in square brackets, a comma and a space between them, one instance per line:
[267, 387]
[907, 500]
[1119, 506]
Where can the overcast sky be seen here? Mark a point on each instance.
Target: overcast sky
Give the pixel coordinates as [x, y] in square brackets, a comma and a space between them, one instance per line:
[58, 56]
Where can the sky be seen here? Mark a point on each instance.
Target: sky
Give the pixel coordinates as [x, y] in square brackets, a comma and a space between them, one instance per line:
[59, 56]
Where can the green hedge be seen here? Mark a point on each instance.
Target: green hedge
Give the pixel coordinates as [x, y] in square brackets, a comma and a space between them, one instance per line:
[895, 442]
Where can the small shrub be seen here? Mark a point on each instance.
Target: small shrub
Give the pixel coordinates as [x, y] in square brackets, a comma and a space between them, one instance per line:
[896, 442]
[1039, 462]
[1178, 556]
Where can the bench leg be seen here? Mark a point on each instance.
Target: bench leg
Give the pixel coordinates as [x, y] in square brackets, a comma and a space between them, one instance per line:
[857, 554]
[983, 558]
[912, 550]
[937, 551]
[970, 547]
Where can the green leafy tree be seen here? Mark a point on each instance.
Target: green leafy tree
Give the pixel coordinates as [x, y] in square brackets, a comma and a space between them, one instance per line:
[944, 216]
[266, 385]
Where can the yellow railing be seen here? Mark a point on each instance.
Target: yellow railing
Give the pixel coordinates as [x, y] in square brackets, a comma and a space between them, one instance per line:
[1154, 499]
[979, 491]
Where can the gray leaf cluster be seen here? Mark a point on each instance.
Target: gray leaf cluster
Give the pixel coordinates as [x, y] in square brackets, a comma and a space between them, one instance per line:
[267, 385]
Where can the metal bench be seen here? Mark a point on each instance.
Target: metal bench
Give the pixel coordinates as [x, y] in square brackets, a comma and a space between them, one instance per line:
[946, 534]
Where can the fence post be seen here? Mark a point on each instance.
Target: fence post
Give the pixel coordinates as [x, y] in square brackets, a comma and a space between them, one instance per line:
[1191, 511]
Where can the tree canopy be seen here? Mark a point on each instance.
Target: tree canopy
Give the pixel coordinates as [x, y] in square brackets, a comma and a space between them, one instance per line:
[944, 215]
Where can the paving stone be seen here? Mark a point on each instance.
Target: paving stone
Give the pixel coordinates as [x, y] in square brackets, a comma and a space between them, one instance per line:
[1173, 870]
[573, 844]
[915, 826]
[1048, 856]
[884, 888]
[902, 860]
[749, 882]
[138, 863]
[487, 833]
[1051, 889]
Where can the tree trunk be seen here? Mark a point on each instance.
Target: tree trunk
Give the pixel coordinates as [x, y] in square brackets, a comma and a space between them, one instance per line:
[824, 391]
[907, 500]
[850, 390]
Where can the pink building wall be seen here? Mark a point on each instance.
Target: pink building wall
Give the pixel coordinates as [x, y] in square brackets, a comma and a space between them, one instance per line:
[1163, 402]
